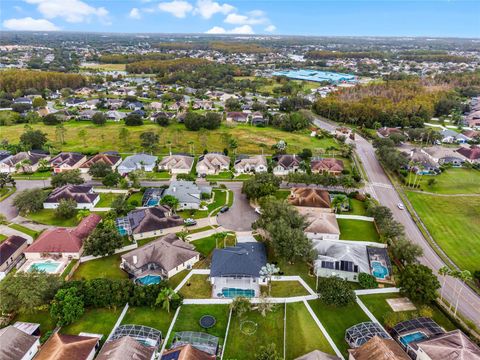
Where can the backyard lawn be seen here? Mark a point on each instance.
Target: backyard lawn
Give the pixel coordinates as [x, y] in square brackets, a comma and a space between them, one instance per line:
[286, 289]
[282, 194]
[106, 199]
[97, 321]
[40, 317]
[136, 198]
[189, 317]
[205, 246]
[47, 217]
[357, 230]
[454, 223]
[175, 280]
[303, 334]
[357, 207]
[197, 287]
[149, 316]
[3, 237]
[25, 230]
[106, 267]
[453, 181]
[337, 320]
[248, 333]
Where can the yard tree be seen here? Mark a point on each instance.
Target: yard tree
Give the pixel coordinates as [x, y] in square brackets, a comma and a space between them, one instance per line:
[305, 154]
[233, 104]
[212, 120]
[170, 201]
[111, 179]
[66, 209]
[67, 306]
[268, 352]
[51, 119]
[289, 243]
[60, 133]
[72, 177]
[367, 281]
[334, 291]
[99, 170]
[99, 118]
[162, 120]
[82, 214]
[240, 306]
[82, 134]
[165, 297]
[419, 283]
[30, 200]
[6, 179]
[405, 251]
[133, 120]
[262, 184]
[149, 140]
[33, 139]
[104, 240]
[121, 206]
[123, 135]
[39, 102]
[26, 291]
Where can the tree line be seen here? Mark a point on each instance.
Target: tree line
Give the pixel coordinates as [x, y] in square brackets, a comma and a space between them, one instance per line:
[14, 80]
[130, 58]
[163, 67]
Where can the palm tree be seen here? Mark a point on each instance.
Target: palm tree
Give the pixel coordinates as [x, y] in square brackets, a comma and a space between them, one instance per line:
[337, 203]
[165, 298]
[444, 271]
[220, 236]
[268, 271]
[81, 214]
[463, 276]
[43, 164]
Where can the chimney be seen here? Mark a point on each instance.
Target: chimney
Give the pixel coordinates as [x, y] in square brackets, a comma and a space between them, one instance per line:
[134, 259]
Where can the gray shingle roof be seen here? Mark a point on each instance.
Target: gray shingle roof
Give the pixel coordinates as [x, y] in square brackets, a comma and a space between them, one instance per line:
[245, 259]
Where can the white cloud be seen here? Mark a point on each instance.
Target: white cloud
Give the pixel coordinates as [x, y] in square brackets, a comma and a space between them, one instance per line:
[134, 14]
[243, 30]
[29, 23]
[253, 18]
[208, 8]
[270, 28]
[177, 8]
[73, 11]
[18, 8]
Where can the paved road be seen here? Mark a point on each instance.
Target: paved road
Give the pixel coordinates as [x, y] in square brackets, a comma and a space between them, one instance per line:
[241, 215]
[381, 188]
[6, 206]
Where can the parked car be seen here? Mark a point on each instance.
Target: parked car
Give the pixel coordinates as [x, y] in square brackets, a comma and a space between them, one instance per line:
[224, 209]
[400, 206]
[190, 222]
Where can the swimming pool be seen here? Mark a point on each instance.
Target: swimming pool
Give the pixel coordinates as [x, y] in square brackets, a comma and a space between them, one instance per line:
[415, 336]
[149, 280]
[152, 202]
[232, 292]
[48, 266]
[379, 270]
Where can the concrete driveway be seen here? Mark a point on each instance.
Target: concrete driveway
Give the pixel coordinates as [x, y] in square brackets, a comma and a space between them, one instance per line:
[241, 215]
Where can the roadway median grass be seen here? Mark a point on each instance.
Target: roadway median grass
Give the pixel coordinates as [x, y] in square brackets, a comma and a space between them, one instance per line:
[454, 223]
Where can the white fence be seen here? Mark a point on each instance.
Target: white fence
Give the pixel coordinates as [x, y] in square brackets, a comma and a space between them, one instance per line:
[119, 321]
[355, 217]
[123, 249]
[113, 191]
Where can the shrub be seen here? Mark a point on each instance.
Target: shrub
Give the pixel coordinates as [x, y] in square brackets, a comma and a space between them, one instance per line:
[335, 291]
[367, 281]
[66, 208]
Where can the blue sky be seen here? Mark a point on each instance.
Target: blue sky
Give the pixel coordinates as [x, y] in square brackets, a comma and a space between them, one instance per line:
[450, 18]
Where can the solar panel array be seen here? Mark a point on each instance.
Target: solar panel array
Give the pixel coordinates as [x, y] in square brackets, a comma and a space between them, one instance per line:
[359, 334]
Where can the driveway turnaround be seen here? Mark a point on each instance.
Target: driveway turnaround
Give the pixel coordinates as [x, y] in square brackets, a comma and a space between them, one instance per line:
[241, 215]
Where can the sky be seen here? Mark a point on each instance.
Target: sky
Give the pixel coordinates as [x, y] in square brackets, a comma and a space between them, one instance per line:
[434, 18]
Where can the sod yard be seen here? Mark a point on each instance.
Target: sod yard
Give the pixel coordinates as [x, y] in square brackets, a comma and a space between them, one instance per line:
[189, 317]
[106, 199]
[357, 230]
[3, 237]
[149, 316]
[452, 181]
[106, 267]
[48, 217]
[285, 289]
[302, 333]
[454, 223]
[34, 234]
[41, 317]
[250, 139]
[338, 319]
[197, 287]
[97, 321]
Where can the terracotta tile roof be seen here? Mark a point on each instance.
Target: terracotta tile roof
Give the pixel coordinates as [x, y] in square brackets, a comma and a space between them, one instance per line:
[309, 197]
[327, 165]
[379, 349]
[186, 352]
[472, 153]
[319, 221]
[80, 193]
[9, 246]
[125, 348]
[71, 347]
[108, 159]
[62, 240]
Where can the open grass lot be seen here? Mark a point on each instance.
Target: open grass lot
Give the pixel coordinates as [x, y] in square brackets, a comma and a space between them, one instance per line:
[149, 316]
[189, 317]
[47, 217]
[285, 289]
[25, 230]
[3, 237]
[453, 181]
[197, 287]
[40, 317]
[106, 199]
[105, 67]
[454, 223]
[97, 321]
[377, 304]
[251, 140]
[106, 267]
[303, 334]
[269, 330]
[337, 320]
[357, 230]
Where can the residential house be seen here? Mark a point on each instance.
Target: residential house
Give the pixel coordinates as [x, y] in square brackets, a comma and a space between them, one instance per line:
[450, 136]
[135, 105]
[188, 194]
[164, 257]
[212, 163]
[471, 135]
[321, 225]
[189, 343]
[310, 197]
[63, 346]
[177, 164]
[91, 104]
[236, 269]
[115, 115]
[23, 100]
[385, 132]
[378, 348]
[237, 116]
[114, 104]
[83, 195]
[86, 115]
[112, 160]
[286, 164]
[156, 106]
[67, 161]
[317, 355]
[125, 348]
[443, 155]
[359, 334]
[471, 154]
[250, 164]
[453, 345]
[137, 162]
[72, 102]
[257, 119]
[4, 154]
[186, 352]
[17, 345]
[61, 242]
[329, 166]
[11, 252]
[474, 122]
[149, 222]
[421, 163]
[27, 161]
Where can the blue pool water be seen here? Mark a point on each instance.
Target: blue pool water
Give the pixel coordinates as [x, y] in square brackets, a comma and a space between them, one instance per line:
[149, 280]
[46, 266]
[379, 271]
[231, 293]
[152, 202]
[416, 336]
[122, 231]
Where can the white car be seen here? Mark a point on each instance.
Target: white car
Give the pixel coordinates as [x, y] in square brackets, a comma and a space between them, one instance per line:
[400, 206]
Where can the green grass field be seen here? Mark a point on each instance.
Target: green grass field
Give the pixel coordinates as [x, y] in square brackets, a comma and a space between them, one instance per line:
[97, 321]
[3, 237]
[106, 199]
[454, 223]
[197, 287]
[251, 140]
[453, 181]
[105, 67]
[25, 230]
[357, 230]
[40, 317]
[47, 217]
[285, 289]
[149, 316]
[357, 207]
[106, 267]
